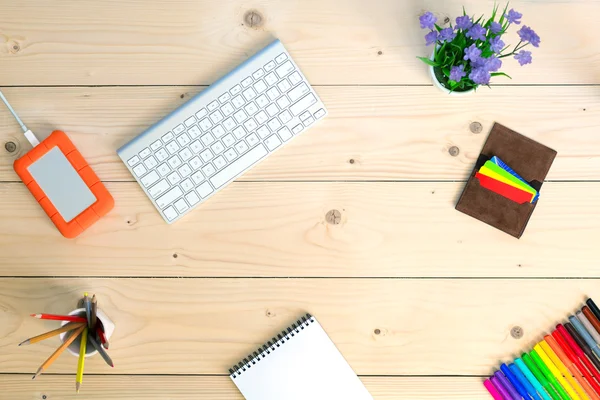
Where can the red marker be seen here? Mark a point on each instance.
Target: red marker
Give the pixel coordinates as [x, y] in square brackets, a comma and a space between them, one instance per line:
[575, 354]
[69, 318]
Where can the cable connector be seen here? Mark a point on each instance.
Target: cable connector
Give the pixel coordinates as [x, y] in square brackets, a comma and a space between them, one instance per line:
[30, 136]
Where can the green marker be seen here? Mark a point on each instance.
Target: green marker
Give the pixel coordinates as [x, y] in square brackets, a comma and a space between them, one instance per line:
[539, 376]
[540, 363]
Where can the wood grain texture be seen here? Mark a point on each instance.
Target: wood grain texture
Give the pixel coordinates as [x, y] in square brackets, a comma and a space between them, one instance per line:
[334, 41]
[107, 387]
[281, 229]
[390, 133]
[204, 326]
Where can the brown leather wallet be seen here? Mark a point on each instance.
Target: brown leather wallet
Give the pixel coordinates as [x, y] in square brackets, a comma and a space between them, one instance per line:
[527, 158]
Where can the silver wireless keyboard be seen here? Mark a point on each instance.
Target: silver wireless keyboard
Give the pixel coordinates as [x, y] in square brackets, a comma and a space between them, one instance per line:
[222, 132]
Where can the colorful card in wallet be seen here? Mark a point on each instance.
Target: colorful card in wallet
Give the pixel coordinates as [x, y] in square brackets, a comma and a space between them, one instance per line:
[495, 193]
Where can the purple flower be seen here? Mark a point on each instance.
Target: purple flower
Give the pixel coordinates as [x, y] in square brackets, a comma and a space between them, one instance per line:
[528, 35]
[431, 38]
[447, 34]
[496, 44]
[514, 17]
[493, 64]
[472, 53]
[477, 32]
[464, 22]
[495, 27]
[523, 57]
[428, 20]
[480, 76]
[457, 73]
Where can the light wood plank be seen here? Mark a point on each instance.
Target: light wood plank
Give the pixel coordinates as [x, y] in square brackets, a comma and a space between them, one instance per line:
[402, 133]
[204, 326]
[281, 229]
[334, 41]
[20, 387]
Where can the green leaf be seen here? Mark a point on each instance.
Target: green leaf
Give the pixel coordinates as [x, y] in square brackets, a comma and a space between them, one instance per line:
[503, 14]
[428, 61]
[500, 74]
[439, 53]
[453, 84]
[446, 71]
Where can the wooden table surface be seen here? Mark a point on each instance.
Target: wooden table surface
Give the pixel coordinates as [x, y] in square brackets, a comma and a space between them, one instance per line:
[419, 298]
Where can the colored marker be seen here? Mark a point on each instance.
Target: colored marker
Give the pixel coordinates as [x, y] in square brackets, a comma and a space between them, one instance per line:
[593, 307]
[591, 317]
[554, 370]
[574, 358]
[523, 380]
[587, 338]
[583, 346]
[544, 368]
[490, 388]
[539, 376]
[515, 382]
[500, 388]
[537, 385]
[514, 395]
[585, 321]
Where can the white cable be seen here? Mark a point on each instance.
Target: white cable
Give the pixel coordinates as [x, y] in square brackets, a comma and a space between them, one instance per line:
[30, 136]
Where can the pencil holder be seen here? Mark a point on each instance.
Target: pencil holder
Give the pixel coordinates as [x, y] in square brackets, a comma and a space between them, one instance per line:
[109, 328]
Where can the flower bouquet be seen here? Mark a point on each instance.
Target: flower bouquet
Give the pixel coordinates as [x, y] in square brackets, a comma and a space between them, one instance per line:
[470, 53]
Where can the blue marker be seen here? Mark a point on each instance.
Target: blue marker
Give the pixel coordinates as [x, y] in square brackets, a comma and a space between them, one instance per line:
[515, 382]
[536, 384]
[585, 335]
[526, 384]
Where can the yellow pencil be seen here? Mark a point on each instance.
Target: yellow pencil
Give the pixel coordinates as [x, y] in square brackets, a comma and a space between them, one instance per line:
[80, 364]
[572, 394]
[563, 369]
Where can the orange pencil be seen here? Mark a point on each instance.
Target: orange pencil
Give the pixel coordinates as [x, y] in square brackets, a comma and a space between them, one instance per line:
[68, 327]
[59, 351]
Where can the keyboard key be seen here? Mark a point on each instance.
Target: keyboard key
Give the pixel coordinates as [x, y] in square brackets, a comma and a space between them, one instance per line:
[206, 155]
[197, 177]
[273, 142]
[228, 140]
[297, 129]
[283, 102]
[192, 198]
[273, 93]
[174, 162]
[174, 178]
[263, 131]
[303, 104]
[201, 114]
[295, 78]
[163, 169]
[235, 90]
[133, 160]
[170, 213]
[269, 66]
[252, 139]
[185, 170]
[274, 124]
[251, 108]
[172, 147]
[183, 139]
[227, 109]
[218, 131]
[178, 129]
[249, 94]
[185, 154]
[190, 121]
[284, 69]
[238, 101]
[150, 179]
[150, 162]
[207, 139]
[219, 162]
[247, 82]
[239, 132]
[187, 185]
[272, 110]
[230, 155]
[285, 117]
[196, 146]
[167, 137]
[229, 124]
[216, 117]
[224, 97]
[320, 113]
[308, 121]
[240, 116]
[281, 58]
[139, 170]
[194, 132]
[156, 145]
[298, 91]
[196, 163]
[145, 153]
[260, 86]
[181, 205]
[250, 125]
[208, 169]
[205, 124]
[271, 79]
[159, 188]
[284, 85]
[261, 117]
[285, 134]
[241, 147]
[238, 166]
[217, 148]
[262, 100]
[169, 197]
[259, 73]
[204, 190]
[304, 115]
[213, 106]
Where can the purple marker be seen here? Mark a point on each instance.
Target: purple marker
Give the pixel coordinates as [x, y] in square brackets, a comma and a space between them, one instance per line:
[500, 387]
[514, 395]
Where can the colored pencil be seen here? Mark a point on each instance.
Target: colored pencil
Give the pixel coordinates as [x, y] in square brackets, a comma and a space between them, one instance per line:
[555, 371]
[101, 335]
[101, 350]
[58, 351]
[88, 309]
[68, 318]
[94, 313]
[81, 362]
[68, 327]
[574, 357]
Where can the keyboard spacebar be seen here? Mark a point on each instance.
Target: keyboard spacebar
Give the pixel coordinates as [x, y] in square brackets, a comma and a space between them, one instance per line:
[238, 166]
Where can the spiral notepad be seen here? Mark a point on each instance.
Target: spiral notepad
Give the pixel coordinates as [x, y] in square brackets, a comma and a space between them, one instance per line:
[300, 360]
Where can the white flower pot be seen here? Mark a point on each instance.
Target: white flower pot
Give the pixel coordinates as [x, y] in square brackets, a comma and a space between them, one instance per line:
[437, 83]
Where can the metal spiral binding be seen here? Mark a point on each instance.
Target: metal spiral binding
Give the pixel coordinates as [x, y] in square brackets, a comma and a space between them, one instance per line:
[271, 345]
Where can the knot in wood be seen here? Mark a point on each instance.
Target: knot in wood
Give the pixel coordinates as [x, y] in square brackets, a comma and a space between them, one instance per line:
[454, 151]
[334, 217]
[476, 127]
[516, 332]
[253, 19]
[11, 147]
[14, 47]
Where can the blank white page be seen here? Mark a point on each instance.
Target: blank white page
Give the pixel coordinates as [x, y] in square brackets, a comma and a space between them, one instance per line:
[307, 366]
